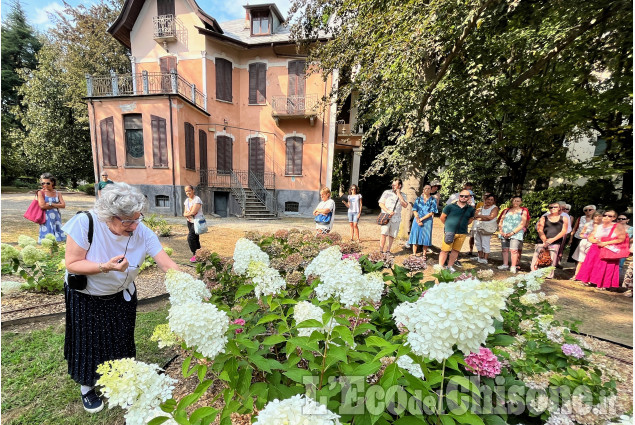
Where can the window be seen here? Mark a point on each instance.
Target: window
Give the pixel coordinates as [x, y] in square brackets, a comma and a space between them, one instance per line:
[108, 142]
[134, 140]
[600, 147]
[224, 154]
[190, 155]
[260, 23]
[291, 206]
[162, 201]
[159, 141]
[223, 80]
[294, 156]
[257, 83]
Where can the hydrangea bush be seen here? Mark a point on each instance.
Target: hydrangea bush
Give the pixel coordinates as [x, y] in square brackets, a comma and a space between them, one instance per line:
[42, 267]
[292, 352]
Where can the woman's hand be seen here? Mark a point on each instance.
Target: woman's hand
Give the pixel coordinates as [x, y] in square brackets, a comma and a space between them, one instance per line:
[118, 264]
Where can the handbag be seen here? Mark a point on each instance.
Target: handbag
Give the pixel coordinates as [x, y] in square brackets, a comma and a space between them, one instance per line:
[384, 217]
[544, 258]
[614, 251]
[324, 218]
[200, 226]
[34, 213]
[487, 227]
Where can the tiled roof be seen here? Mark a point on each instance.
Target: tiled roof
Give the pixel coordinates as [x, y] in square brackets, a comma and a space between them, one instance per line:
[236, 29]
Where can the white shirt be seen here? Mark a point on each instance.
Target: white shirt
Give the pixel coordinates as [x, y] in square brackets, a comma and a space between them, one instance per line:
[580, 227]
[330, 204]
[389, 199]
[189, 203]
[353, 203]
[107, 245]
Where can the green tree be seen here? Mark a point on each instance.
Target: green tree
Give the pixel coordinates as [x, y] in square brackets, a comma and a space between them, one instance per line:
[56, 115]
[19, 47]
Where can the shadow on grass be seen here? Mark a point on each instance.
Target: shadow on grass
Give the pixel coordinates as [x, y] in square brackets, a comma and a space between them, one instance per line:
[36, 388]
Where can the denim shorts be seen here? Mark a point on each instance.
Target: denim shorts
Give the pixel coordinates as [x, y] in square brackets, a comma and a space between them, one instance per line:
[352, 217]
[515, 244]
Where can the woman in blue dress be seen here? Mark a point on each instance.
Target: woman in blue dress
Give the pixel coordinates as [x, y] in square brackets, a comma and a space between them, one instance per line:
[421, 233]
[50, 200]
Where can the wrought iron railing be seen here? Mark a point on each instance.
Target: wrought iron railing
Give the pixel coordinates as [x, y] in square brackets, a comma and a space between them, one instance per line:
[222, 178]
[144, 83]
[238, 191]
[295, 105]
[258, 188]
[164, 26]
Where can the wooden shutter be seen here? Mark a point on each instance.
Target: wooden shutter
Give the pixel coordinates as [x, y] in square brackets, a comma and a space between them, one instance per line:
[257, 83]
[294, 156]
[190, 155]
[165, 7]
[159, 141]
[223, 79]
[202, 149]
[166, 64]
[224, 154]
[108, 147]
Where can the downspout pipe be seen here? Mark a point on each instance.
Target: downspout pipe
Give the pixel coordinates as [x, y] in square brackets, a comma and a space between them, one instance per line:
[172, 150]
[96, 167]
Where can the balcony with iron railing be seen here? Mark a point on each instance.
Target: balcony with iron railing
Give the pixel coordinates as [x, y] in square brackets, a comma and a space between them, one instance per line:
[146, 83]
[348, 136]
[285, 107]
[164, 28]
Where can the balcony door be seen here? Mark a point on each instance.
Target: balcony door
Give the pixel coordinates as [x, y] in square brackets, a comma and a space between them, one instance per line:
[165, 7]
[256, 161]
[166, 64]
[297, 86]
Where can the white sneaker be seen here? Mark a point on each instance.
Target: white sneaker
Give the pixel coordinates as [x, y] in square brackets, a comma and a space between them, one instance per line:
[474, 258]
[482, 260]
[503, 267]
[407, 246]
[451, 269]
[513, 270]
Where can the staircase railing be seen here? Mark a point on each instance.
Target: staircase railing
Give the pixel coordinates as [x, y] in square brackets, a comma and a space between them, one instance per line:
[263, 195]
[238, 191]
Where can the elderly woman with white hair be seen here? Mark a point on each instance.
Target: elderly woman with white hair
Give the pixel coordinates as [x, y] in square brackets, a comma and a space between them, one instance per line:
[575, 238]
[104, 250]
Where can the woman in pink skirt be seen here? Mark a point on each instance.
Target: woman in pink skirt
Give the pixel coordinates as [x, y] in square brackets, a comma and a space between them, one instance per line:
[603, 273]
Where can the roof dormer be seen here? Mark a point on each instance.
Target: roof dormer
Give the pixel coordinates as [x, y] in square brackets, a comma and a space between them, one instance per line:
[262, 19]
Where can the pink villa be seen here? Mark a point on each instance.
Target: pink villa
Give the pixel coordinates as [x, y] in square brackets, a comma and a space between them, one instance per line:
[226, 107]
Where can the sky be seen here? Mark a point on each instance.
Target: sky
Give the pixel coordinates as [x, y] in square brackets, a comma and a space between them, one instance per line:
[38, 11]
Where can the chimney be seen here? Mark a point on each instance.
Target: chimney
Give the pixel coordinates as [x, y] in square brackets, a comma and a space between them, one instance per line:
[247, 23]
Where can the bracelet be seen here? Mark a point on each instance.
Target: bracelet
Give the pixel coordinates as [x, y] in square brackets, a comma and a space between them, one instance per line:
[101, 270]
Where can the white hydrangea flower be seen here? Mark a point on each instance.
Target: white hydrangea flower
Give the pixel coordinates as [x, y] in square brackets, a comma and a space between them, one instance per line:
[325, 261]
[267, 281]
[544, 321]
[485, 274]
[622, 420]
[531, 298]
[164, 336]
[245, 252]
[532, 281]
[184, 288]
[201, 325]
[406, 363]
[452, 313]
[24, 241]
[31, 255]
[560, 417]
[10, 287]
[303, 311]
[135, 386]
[8, 253]
[344, 281]
[297, 410]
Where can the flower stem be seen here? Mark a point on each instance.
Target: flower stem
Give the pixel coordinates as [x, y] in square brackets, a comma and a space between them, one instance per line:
[440, 401]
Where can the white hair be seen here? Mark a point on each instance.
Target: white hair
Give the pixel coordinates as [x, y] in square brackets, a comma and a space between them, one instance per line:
[567, 206]
[121, 200]
[590, 206]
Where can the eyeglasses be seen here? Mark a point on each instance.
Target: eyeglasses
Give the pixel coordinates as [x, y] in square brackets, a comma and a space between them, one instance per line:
[130, 222]
[554, 207]
[464, 196]
[565, 209]
[45, 183]
[622, 218]
[104, 175]
[608, 215]
[588, 209]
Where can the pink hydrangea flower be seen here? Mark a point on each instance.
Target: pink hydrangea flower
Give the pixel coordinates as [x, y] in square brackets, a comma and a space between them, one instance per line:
[240, 322]
[354, 256]
[483, 363]
[573, 350]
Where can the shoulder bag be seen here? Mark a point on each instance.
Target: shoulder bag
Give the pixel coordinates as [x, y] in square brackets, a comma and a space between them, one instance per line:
[614, 251]
[324, 218]
[80, 281]
[200, 225]
[449, 236]
[384, 218]
[34, 213]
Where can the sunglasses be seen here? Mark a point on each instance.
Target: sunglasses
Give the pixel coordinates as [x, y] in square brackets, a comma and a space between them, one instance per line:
[622, 218]
[464, 196]
[608, 215]
[45, 183]
[554, 207]
[130, 222]
[566, 209]
[588, 209]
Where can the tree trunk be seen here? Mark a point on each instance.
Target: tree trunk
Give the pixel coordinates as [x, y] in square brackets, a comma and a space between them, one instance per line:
[411, 189]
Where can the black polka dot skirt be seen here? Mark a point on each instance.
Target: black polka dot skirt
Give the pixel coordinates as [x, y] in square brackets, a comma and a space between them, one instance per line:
[98, 329]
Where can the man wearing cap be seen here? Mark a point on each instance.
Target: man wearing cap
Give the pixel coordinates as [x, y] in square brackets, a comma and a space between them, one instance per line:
[104, 181]
[455, 197]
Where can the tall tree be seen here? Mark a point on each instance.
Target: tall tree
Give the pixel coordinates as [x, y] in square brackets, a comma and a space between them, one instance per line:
[19, 47]
[56, 116]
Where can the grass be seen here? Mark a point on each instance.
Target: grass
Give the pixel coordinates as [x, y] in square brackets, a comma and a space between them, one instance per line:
[36, 388]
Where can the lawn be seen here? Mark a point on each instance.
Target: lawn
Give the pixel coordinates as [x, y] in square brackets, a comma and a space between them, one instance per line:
[36, 388]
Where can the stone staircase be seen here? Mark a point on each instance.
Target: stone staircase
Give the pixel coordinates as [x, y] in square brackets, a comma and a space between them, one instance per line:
[256, 210]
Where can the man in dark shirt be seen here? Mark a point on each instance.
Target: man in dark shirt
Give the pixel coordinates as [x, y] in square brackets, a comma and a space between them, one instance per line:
[104, 181]
[456, 217]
